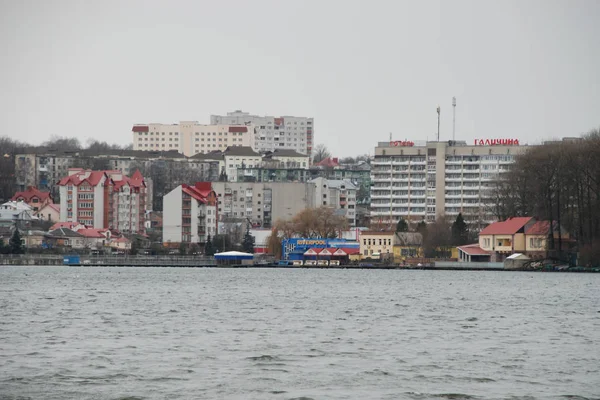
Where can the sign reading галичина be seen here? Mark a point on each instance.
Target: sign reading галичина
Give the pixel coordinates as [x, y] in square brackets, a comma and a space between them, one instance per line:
[496, 142]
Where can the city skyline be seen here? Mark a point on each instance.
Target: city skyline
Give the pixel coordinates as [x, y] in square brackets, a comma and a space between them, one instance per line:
[518, 69]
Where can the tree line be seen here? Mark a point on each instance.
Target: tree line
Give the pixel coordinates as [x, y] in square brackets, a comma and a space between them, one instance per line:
[557, 182]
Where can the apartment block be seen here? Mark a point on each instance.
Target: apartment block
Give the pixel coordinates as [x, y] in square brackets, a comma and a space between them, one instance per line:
[426, 180]
[262, 203]
[190, 214]
[339, 194]
[104, 199]
[190, 137]
[271, 133]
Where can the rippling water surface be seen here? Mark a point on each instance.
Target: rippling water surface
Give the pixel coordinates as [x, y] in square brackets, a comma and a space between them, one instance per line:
[161, 333]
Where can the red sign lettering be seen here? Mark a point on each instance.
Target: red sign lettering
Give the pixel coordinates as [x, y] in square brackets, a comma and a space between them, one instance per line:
[399, 143]
[496, 142]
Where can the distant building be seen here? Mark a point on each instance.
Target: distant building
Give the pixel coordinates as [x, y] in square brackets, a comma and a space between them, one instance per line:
[425, 180]
[339, 194]
[524, 235]
[104, 199]
[376, 244]
[190, 137]
[35, 198]
[272, 133]
[262, 203]
[190, 214]
[16, 213]
[49, 212]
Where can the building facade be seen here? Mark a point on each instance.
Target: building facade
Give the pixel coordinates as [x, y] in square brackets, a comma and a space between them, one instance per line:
[286, 132]
[190, 214]
[104, 200]
[262, 203]
[190, 137]
[428, 180]
[339, 194]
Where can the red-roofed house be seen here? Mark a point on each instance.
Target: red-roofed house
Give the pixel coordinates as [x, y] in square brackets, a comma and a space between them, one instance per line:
[74, 226]
[329, 162]
[104, 199]
[33, 197]
[49, 212]
[190, 214]
[517, 235]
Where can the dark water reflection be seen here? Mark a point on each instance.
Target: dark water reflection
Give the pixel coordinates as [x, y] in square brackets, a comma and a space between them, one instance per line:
[109, 333]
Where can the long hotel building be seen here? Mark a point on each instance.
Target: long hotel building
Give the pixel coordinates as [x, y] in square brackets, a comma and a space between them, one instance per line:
[190, 137]
[426, 180]
[274, 133]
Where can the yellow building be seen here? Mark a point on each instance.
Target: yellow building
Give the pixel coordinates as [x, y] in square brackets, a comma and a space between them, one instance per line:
[407, 245]
[376, 244]
[518, 235]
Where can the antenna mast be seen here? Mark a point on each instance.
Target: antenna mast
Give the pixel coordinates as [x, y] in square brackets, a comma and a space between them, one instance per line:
[453, 117]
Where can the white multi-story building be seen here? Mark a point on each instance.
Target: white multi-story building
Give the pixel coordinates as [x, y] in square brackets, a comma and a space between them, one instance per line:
[423, 181]
[190, 214]
[286, 132]
[339, 194]
[190, 137]
[104, 199]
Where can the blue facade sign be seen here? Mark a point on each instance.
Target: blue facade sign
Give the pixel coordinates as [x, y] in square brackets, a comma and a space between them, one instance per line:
[294, 248]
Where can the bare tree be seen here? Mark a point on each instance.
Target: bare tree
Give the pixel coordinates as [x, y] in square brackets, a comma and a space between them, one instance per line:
[320, 153]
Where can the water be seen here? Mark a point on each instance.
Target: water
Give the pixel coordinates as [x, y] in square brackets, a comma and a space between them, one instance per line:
[158, 333]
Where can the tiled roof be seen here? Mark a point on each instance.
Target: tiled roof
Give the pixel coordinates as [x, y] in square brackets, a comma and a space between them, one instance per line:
[538, 228]
[30, 193]
[474, 250]
[328, 162]
[140, 128]
[92, 233]
[284, 153]
[69, 225]
[508, 227]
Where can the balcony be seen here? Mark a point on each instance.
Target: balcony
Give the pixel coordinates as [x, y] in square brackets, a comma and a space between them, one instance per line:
[248, 193]
[43, 168]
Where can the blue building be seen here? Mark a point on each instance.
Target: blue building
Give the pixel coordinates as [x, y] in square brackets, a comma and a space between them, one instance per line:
[294, 248]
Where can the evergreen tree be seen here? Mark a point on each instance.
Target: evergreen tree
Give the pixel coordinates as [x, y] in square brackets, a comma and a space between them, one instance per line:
[2, 247]
[15, 243]
[402, 225]
[460, 232]
[248, 243]
[208, 247]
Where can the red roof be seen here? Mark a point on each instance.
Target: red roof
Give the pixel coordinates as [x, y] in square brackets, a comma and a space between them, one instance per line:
[140, 128]
[94, 178]
[538, 228]
[122, 239]
[349, 251]
[508, 227]
[474, 250]
[92, 233]
[328, 162]
[30, 193]
[238, 129]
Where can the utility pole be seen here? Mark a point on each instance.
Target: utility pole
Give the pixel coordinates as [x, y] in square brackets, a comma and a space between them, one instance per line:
[438, 132]
[453, 117]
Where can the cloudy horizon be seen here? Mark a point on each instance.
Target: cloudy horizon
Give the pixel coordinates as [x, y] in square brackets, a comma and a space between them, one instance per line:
[521, 70]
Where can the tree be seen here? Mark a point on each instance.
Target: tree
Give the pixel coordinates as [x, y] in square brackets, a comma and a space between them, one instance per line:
[248, 243]
[3, 248]
[436, 241]
[15, 244]
[320, 153]
[402, 225]
[274, 245]
[460, 232]
[62, 143]
[208, 247]
[321, 222]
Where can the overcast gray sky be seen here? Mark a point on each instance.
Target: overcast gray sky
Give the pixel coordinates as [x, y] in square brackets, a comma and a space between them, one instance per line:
[519, 69]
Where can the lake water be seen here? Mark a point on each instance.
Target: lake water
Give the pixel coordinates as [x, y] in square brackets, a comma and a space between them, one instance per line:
[169, 333]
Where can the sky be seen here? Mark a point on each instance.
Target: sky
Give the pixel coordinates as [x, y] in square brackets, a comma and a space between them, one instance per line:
[524, 69]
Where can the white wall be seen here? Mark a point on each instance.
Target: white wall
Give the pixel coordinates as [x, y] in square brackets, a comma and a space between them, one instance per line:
[98, 205]
[172, 216]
